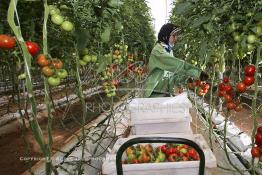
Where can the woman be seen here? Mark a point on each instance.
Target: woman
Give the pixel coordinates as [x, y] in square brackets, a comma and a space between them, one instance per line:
[164, 68]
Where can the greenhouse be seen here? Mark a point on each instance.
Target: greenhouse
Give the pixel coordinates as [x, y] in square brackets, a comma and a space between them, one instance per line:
[130, 87]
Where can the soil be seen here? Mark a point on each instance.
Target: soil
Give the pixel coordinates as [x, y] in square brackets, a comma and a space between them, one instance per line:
[14, 151]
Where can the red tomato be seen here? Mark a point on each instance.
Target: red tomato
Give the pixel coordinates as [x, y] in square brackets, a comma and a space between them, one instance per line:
[205, 86]
[42, 61]
[185, 158]
[259, 139]
[32, 47]
[7, 42]
[231, 105]
[225, 79]
[250, 70]
[238, 108]
[259, 129]
[57, 63]
[197, 82]
[221, 93]
[255, 151]
[194, 84]
[228, 98]
[221, 87]
[163, 148]
[249, 80]
[228, 88]
[241, 87]
[192, 153]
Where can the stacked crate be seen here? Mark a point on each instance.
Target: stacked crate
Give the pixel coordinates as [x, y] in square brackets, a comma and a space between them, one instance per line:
[160, 117]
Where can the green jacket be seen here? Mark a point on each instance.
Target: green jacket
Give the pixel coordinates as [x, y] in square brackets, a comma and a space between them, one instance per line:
[165, 70]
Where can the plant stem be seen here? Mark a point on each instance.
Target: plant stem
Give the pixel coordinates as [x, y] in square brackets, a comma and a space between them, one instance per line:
[47, 97]
[37, 132]
[254, 110]
[83, 104]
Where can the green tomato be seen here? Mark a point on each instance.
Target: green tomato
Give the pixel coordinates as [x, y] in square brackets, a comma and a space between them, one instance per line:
[109, 95]
[113, 94]
[237, 37]
[82, 63]
[119, 57]
[53, 81]
[93, 58]
[183, 150]
[62, 73]
[250, 47]
[251, 38]
[87, 58]
[53, 10]
[106, 91]
[57, 19]
[67, 26]
[85, 51]
[22, 76]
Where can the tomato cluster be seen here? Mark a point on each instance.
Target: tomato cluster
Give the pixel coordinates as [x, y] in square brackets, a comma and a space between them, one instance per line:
[110, 87]
[164, 153]
[120, 51]
[201, 87]
[58, 19]
[52, 69]
[226, 91]
[87, 58]
[256, 151]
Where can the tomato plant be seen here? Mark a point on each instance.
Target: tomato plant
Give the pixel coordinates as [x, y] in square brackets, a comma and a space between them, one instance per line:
[7, 42]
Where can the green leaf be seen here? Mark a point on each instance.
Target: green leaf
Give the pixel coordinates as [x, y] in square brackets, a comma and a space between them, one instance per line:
[198, 21]
[183, 8]
[81, 38]
[105, 36]
[203, 50]
[102, 64]
[258, 16]
[114, 3]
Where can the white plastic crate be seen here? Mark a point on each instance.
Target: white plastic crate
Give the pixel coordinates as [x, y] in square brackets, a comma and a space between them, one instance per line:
[160, 115]
[164, 168]
[161, 125]
[149, 108]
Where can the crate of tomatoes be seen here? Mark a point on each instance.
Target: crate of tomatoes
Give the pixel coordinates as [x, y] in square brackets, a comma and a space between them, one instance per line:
[159, 154]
